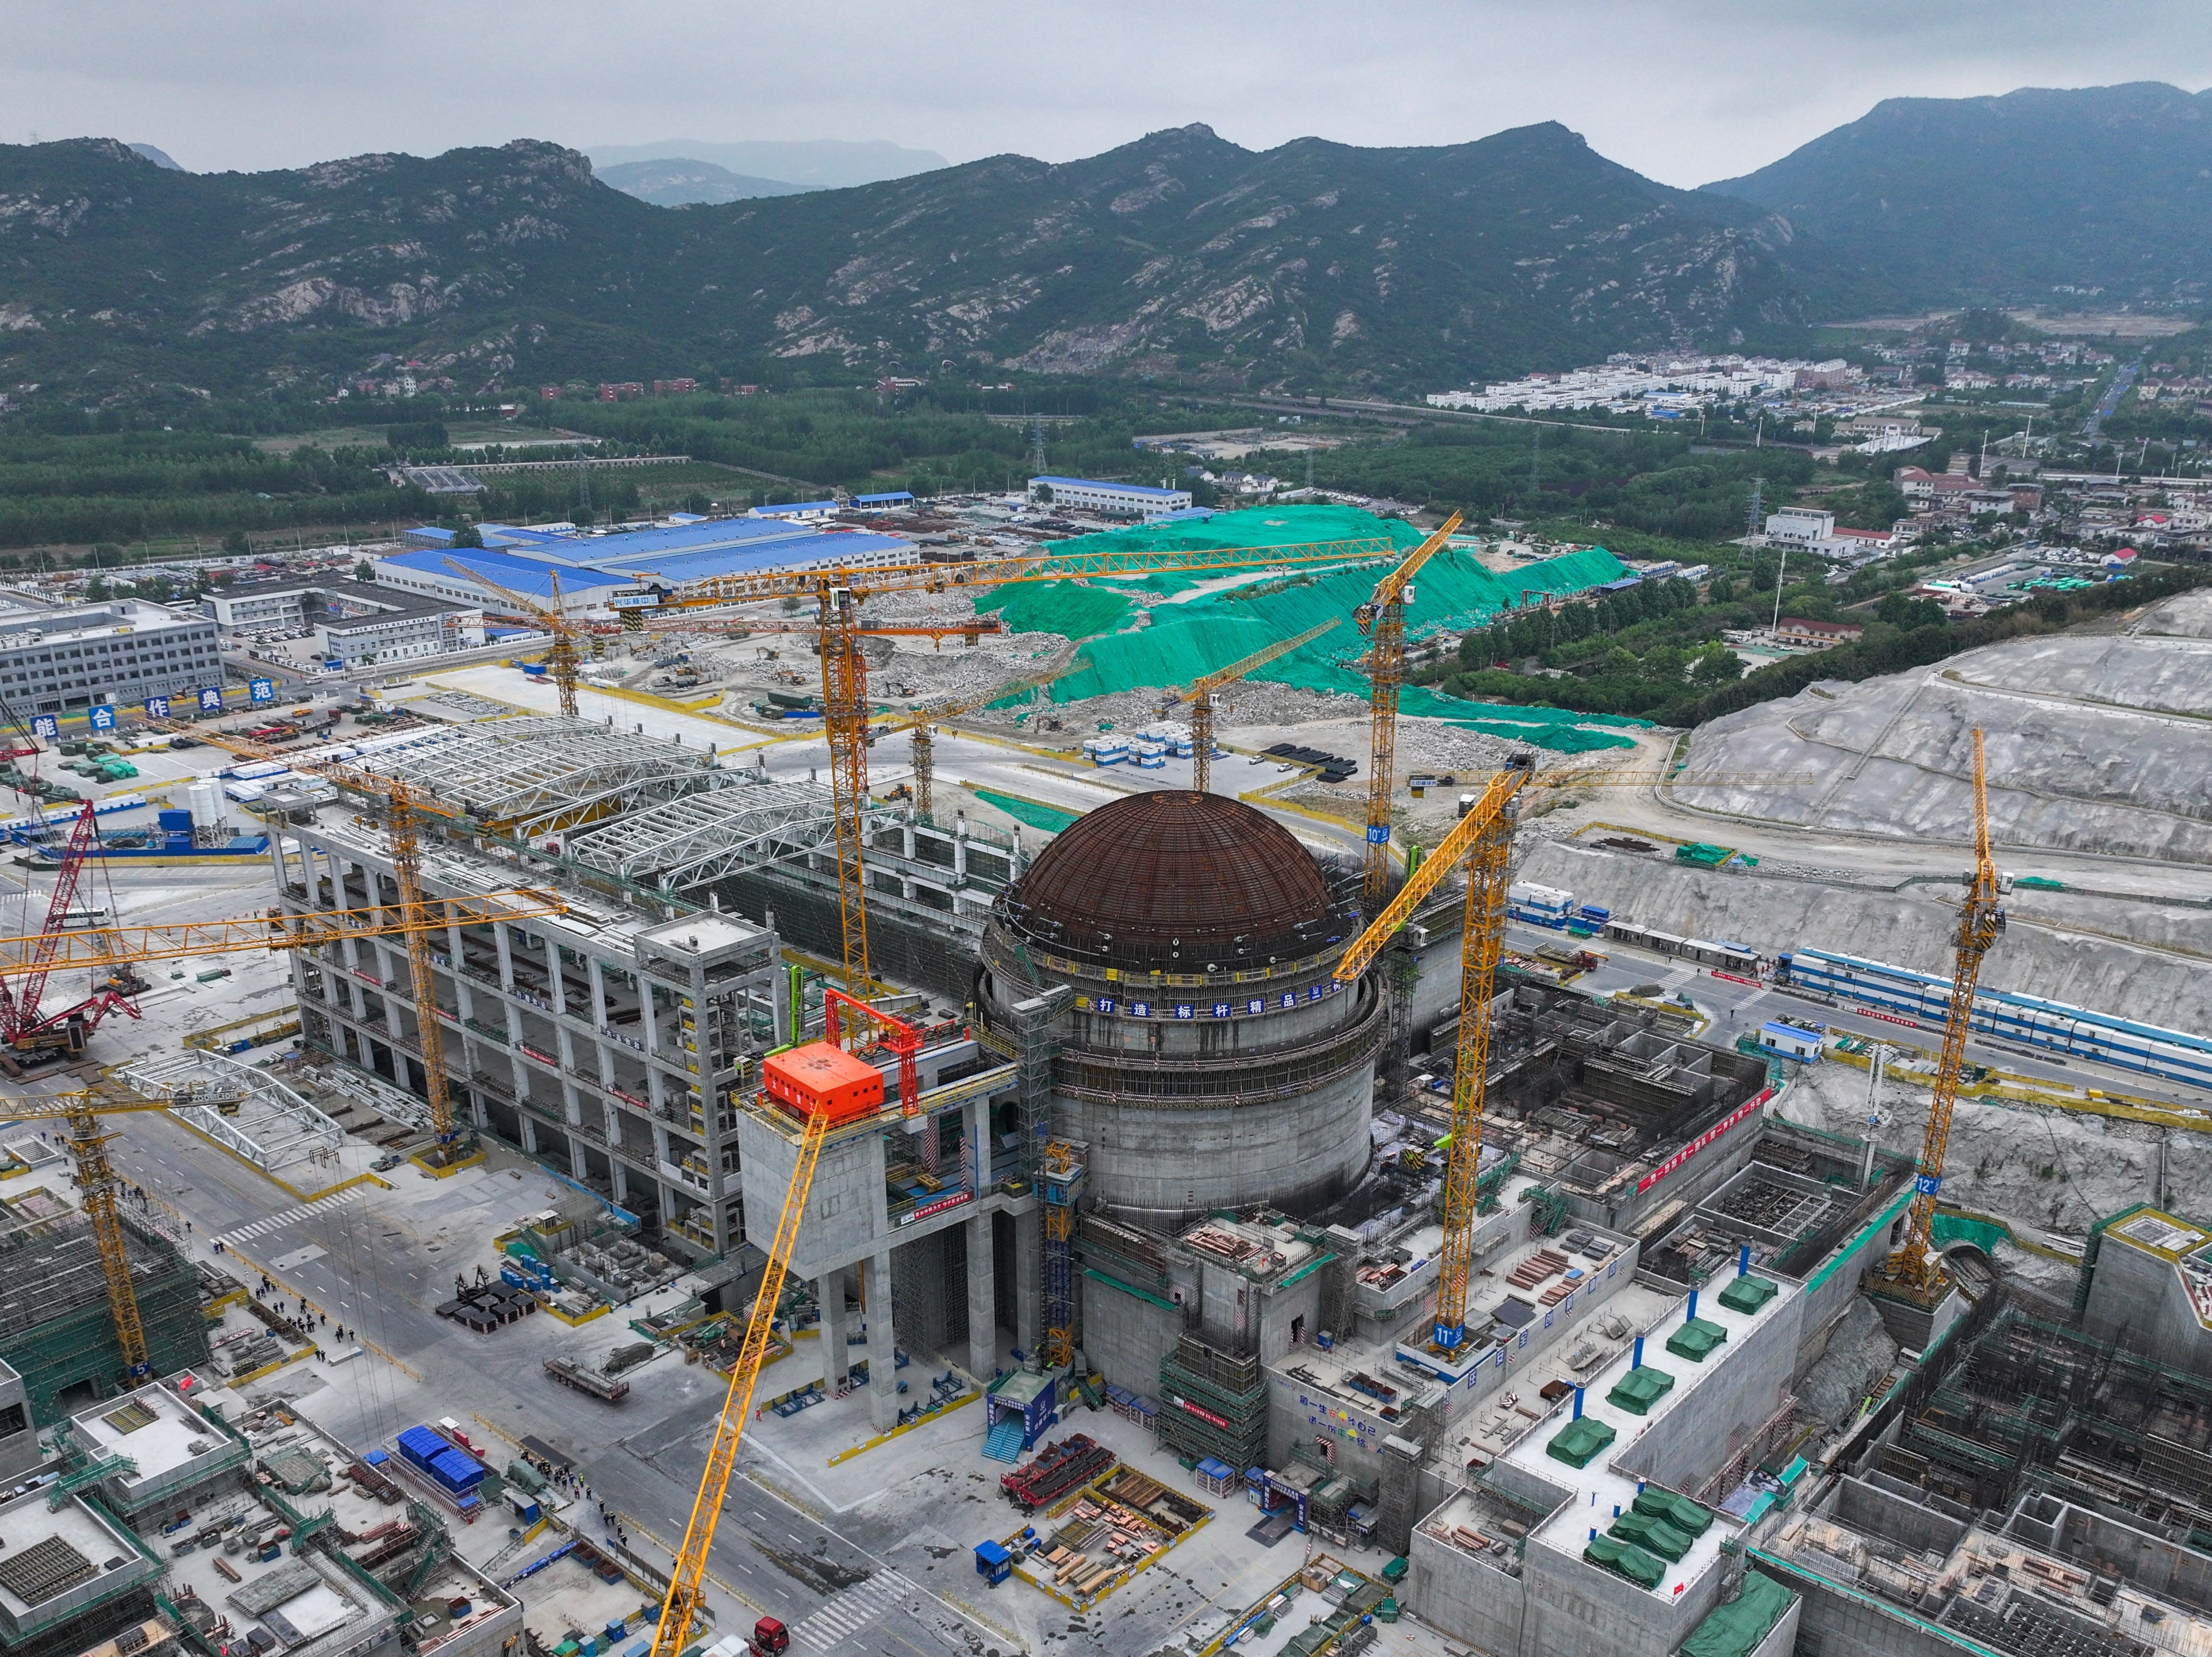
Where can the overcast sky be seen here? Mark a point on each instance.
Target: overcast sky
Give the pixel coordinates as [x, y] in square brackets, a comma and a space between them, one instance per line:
[1684, 90]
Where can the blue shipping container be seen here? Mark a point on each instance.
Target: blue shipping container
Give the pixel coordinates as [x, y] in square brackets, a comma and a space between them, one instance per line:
[457, 1471]
[420, 1446]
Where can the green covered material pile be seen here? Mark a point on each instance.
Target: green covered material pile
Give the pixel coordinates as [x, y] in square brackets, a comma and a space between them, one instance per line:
[1626, 1559]
[1696, 1339]
[1684, 1515]
[1579, 1440]
[1736, 1629]
[1640, 1389]
[1749, 1293]
[1454, 593]
[1652, 1535]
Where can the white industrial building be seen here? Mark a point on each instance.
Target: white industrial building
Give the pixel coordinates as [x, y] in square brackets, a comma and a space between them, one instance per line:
[1117, 500]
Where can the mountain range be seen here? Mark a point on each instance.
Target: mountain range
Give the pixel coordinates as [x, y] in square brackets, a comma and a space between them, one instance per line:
[1180, 256]
[2036, 196]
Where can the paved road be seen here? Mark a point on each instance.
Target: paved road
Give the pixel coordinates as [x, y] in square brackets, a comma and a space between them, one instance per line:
[2094, 425]
[379, 1263]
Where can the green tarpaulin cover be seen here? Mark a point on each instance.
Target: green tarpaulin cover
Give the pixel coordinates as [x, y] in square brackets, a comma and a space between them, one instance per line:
[1035, 813]
[1695, 1340]
[1188, 640]
[1735, 1629]
[1684, 1515]
[1577, 1443]
[1638, 1566]
[1749, 1292]
[1640, 1389]
[1652, 1535]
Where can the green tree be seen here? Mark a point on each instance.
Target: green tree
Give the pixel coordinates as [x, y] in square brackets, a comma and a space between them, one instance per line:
[364, 571]
[236, 542]
[1717, 664]
[468, 535]
[97, 589]
[1906, 613]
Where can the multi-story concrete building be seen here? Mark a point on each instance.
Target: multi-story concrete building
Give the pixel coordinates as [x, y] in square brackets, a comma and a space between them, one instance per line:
[120, 652]
[352, 625]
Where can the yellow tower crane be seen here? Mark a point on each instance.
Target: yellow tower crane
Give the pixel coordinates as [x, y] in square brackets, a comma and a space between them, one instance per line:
[838, 595]
[687, 1573]
[98, 947]
[1201, 696]
[97, 1182]
[1481, 843]
[561, 660]
[923, 740]
[1382, 618]
[1916, 1269]
[403, 811]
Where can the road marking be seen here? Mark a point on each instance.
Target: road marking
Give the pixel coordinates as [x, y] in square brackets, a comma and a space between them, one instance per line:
[291, 1216]
[845, 1616]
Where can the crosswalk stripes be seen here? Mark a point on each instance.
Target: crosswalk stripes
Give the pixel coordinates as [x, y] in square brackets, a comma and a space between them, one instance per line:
[854, 1609]
[289, 1216]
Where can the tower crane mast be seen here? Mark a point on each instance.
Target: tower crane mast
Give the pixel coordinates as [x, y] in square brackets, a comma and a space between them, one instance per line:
[1382, 618]
[923, 739]
[402, 812]
[1915, 1268]
[838, 594]
[1481, 844]
[562, 660]
[1201, 695]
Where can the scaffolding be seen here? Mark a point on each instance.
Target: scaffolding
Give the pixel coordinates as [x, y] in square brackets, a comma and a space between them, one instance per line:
[1213, 1403]
[56, 1328]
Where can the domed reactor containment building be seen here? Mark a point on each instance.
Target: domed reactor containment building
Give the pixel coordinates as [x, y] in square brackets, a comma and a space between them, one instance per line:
[1210, 1059]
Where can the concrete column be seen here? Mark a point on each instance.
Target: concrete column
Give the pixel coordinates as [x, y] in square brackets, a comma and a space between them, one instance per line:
[882, 1340]
[976, 1142]
[829, 1294]
[1028, 1280]
[982, 1302]
[960, 848]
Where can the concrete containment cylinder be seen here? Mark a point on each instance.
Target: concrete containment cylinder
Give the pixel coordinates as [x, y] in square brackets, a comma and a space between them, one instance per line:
[1211, 1060]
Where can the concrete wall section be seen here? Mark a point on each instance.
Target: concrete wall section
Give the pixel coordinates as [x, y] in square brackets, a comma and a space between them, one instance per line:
[1125, 1336]
[1689, 1442]
[1160, 1166]
[1579, 1610]
[1468, 1598]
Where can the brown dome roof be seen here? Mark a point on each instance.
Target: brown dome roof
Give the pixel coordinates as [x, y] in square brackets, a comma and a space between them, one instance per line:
[1176, 881]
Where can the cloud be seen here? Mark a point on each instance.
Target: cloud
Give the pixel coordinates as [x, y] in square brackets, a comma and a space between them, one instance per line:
[1683, 90]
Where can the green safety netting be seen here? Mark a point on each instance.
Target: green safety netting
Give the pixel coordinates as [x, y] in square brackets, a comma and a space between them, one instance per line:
[1186, 641]
[1652, 1535]
[1640, 1389]
[1684, 1515]
[1985, 1234]
[1696, 1339]
[1035, 813]
[1067, 607]
[1735, 1629]
[1577, 1442]
[1749, 1293]
[1629, 1561]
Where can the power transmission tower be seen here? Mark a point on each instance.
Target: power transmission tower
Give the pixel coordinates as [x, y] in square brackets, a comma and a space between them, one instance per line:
[1535, 461]
[1036, 445]
[1751, 517]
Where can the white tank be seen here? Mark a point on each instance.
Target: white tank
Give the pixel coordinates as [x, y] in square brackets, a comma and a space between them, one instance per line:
[205, 801]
